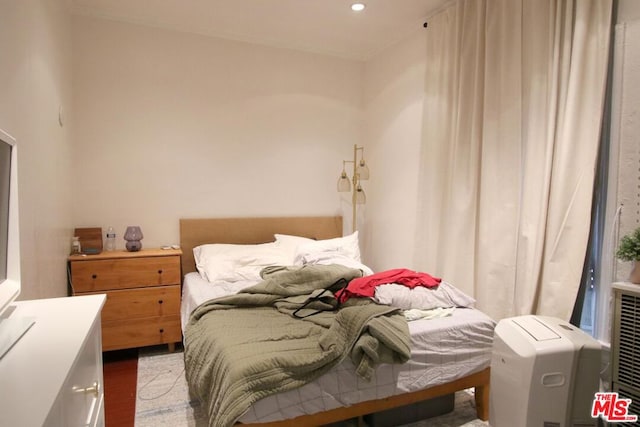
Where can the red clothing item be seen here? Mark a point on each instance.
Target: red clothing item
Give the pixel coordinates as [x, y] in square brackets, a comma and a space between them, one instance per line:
[366, 286]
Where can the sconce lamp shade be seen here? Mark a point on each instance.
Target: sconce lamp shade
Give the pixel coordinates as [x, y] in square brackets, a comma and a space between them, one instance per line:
[343, 183]
[363, 171]
[361, 198]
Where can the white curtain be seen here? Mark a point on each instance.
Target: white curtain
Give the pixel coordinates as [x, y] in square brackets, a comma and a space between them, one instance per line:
[514, 92]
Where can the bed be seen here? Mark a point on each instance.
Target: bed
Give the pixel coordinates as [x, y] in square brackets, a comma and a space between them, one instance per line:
[455, 356]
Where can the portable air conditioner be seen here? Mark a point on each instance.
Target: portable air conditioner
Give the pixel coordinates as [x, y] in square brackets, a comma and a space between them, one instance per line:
[544, 373]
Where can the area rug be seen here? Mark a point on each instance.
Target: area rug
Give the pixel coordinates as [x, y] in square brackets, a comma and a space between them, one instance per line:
[162, 394]
[162, 397]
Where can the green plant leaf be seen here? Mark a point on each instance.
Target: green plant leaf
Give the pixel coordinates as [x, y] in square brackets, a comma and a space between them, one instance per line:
[629, 249]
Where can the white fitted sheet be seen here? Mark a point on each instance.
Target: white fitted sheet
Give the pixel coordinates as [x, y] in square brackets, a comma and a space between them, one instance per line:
[442, 350]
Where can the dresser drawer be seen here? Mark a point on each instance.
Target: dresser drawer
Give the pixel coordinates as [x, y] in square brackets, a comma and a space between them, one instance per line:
[118, 334]
[141, 303]
[109, 274]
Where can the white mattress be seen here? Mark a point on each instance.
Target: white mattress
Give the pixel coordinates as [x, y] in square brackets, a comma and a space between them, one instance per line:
[442, 350]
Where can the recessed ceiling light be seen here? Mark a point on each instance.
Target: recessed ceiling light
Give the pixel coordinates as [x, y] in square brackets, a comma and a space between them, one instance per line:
[357, 7]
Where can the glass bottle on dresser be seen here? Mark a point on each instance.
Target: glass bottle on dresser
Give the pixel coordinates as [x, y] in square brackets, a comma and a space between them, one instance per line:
[76, 249]
[111, 239]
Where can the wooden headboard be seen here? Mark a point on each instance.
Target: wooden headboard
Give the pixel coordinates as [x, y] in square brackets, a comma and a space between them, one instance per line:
[195, 232]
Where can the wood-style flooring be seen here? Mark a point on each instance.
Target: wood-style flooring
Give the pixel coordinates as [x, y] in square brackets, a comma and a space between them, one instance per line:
[120, 376]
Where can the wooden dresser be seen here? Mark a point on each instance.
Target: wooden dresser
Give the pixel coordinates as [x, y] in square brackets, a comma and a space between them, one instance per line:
[143, 295]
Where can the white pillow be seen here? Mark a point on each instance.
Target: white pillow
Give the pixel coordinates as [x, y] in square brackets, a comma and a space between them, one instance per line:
[347, 246]
[420, 297]
[228, 262]
[335, 257]
[289, 244]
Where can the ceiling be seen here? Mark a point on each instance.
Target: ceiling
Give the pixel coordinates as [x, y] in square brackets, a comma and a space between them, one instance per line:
[322, 26]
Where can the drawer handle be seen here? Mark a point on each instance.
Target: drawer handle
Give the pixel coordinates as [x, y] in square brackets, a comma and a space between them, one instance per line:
[94, 276]
[160, 301]
[160, 271]
[93, 389]
[161, 330]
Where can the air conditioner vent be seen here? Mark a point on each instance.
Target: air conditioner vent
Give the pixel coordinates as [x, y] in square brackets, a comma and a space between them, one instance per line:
[629, 340]
[625, 346]
[634, 407]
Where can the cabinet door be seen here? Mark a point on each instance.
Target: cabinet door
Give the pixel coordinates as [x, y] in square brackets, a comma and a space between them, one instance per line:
[81, 400]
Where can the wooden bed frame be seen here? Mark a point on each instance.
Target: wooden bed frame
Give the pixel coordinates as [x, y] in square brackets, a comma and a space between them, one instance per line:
[250, 231]
[194, 232]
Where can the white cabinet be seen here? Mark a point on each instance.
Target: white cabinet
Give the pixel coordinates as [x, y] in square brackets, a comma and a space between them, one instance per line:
[53, 375]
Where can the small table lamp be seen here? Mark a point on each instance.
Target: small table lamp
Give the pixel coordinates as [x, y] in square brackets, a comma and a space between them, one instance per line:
[133, 235]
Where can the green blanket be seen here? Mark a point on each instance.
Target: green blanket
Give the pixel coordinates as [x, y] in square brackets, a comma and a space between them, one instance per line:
[244, 347]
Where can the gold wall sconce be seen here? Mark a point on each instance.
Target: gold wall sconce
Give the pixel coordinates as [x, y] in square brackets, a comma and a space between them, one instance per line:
[353, 184]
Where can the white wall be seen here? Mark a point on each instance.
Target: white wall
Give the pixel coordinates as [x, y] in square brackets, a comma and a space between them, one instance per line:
[394, 87]
[628, 10]
[626, 113]
[172, 125]
[169, 125]
[35, 80]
